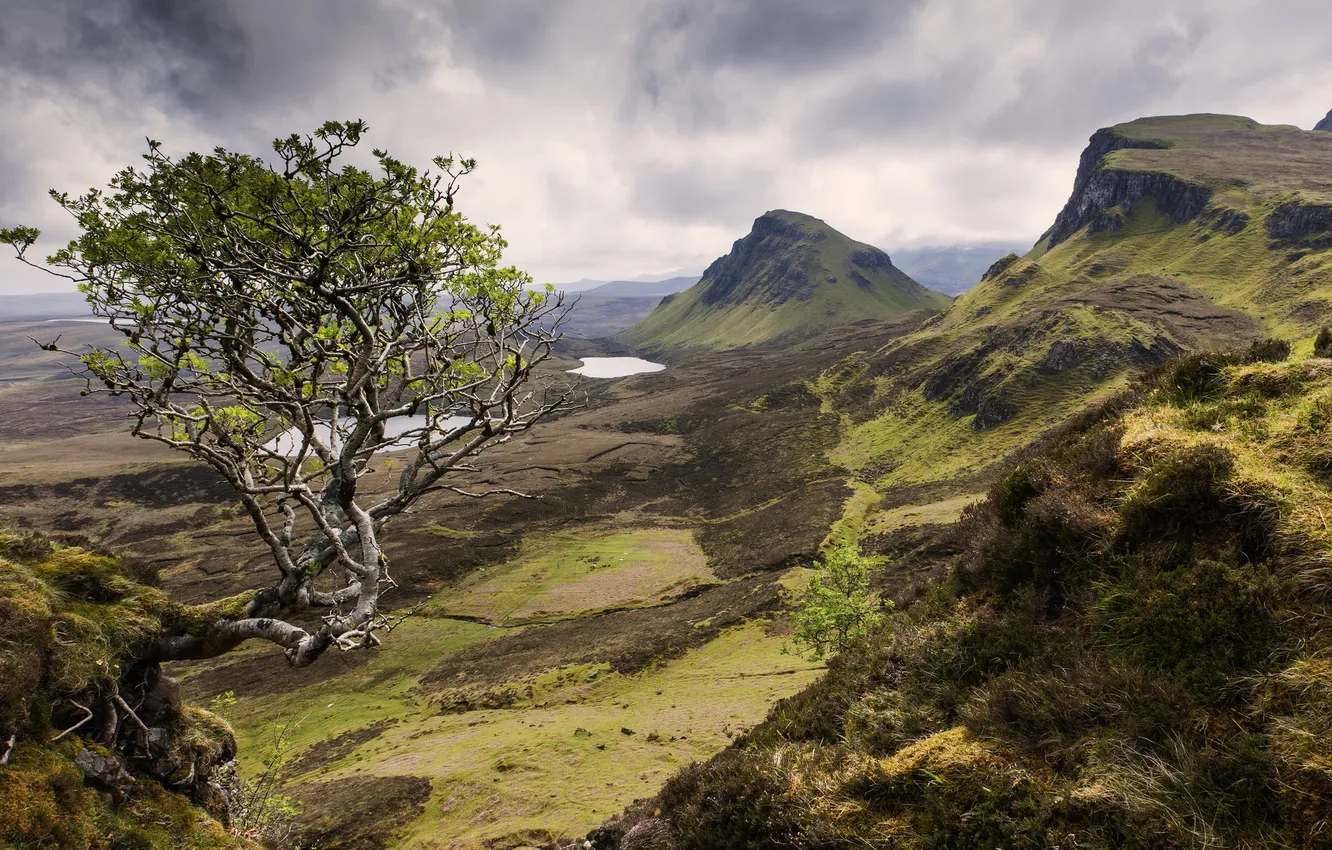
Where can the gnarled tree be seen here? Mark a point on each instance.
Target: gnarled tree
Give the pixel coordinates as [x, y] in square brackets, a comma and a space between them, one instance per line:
[286, 322]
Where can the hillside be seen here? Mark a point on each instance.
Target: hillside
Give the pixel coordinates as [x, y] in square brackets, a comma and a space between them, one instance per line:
[1131, 651]
[69, 622]
[1182, 233]
[791, 277]
[1141, 579]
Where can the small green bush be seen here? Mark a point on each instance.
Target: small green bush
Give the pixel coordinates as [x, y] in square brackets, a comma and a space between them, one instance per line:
[1196, 377]
[1203, 623]
[839, 609]
[1323, 343]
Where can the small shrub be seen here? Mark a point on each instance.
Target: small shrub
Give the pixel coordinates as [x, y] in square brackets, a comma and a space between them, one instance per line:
[957, 792]
[943, 661]
[1202, 623]
[1196, 377]
[1270, 350]
[1014, 491]
[257, 809]
[1183, 490]
[1323, 343]
[1056, 709]
[839, 608]
[1056, 546]
[737, 801]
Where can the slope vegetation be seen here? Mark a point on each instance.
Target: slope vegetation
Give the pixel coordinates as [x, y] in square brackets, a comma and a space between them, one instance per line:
[791, 277]
[75, 772]
[1132, 651]
[1182, 233]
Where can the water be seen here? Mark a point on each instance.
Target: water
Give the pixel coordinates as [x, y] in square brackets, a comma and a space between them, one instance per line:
[404, 431]
[616, 367]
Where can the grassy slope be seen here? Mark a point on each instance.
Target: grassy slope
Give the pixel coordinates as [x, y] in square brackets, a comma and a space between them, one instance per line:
[1105, 292]
[823, 256]
[505, 758]
[1133, 651]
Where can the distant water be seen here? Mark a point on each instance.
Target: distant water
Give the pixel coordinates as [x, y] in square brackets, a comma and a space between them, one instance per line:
[616, 367]
[404, 431]
[94, 321]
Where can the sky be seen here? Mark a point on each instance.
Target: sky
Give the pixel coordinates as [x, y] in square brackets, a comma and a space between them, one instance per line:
[623, 137]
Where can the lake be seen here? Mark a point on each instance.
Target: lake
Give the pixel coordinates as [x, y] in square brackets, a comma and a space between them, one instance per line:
[615, 367]
[289, 441]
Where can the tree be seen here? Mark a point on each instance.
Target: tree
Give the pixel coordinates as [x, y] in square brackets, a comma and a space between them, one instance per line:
[286, 323]
[839, 609]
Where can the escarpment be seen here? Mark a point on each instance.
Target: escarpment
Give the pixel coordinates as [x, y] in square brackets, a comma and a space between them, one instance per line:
[1100, 188]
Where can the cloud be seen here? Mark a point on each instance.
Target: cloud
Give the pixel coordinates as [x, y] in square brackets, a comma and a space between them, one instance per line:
[626, 136]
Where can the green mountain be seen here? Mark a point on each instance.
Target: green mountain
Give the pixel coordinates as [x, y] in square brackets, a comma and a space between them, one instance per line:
[1182, 233]
[792, 276]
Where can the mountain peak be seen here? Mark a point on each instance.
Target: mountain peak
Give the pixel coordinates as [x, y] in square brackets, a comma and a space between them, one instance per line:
[1326, 123]
[791, 275]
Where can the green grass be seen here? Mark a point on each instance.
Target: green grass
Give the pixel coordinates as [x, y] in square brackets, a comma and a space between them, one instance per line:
[942, 512]
[1225, 151]
[572, 575]
[528, 767]
[508, 771]
[1132, 651]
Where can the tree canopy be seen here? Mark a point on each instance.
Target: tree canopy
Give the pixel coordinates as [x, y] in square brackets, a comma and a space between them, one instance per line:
[286, 322]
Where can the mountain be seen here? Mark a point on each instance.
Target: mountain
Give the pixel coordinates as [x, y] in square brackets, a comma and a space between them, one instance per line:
[952, 269]
[643, 288]
[1119, 643]
[792, 276]
[1326, 123]
[1182, 233]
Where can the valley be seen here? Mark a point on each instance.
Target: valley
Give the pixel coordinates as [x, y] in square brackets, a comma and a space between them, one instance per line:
[613, 658]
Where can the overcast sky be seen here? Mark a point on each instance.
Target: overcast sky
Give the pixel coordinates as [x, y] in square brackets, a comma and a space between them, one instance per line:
[619, 137]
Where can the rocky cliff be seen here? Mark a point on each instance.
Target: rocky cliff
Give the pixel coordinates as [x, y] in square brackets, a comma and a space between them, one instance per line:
[1104, 195]
[1326, 123]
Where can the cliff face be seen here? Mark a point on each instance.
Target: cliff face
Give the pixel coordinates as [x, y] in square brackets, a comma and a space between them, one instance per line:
[1326, 123]
[1098, 189]
[791, 276]
[1296, 220]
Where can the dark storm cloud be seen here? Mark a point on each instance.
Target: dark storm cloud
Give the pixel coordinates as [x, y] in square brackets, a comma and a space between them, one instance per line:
[189, 49]
[619, 136]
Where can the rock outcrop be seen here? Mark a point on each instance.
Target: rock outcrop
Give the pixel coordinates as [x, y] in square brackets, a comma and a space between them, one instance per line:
[1326, 124]
[1099, 189]
[1297, 219]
